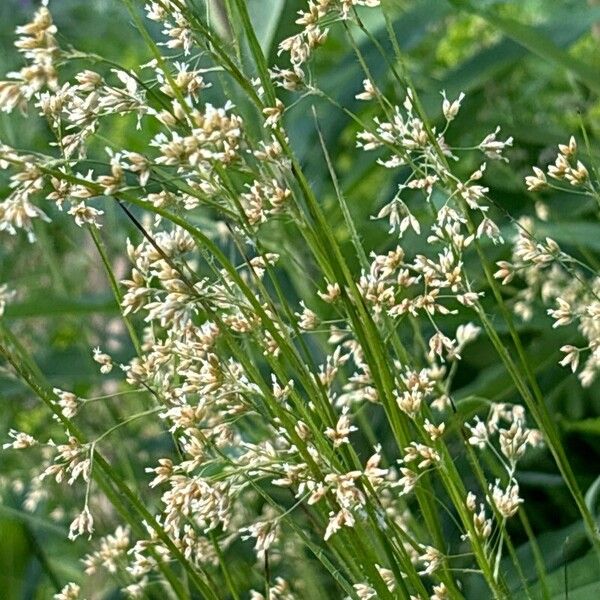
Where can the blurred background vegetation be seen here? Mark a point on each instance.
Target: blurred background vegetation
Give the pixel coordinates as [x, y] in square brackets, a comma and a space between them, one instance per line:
[530, 66]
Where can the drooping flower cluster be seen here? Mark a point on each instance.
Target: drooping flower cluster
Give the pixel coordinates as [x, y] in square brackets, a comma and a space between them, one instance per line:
[37, 43]
[555, 276]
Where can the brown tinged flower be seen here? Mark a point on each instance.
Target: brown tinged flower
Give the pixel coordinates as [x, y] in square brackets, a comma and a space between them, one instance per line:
[342, 430]
[273, 114]
[20, 441]
[505, 272]
[104, 360]
[369, 91]
[86, 215]
[537, 181]
[571, 358]
[450, 109]
[507, 501]
[82, 524]
[70, 591]
[563, 315]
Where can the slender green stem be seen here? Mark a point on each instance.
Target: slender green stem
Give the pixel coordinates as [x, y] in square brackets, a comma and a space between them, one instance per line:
[114, 287]
[108, 476]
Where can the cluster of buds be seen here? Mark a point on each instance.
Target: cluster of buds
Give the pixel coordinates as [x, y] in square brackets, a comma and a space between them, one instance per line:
[514, 439]
[37, 43]
[566, 167]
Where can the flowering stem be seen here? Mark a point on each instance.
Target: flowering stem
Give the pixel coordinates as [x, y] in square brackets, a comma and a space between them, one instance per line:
[114, 286]
[535, 402]
[108, 476]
